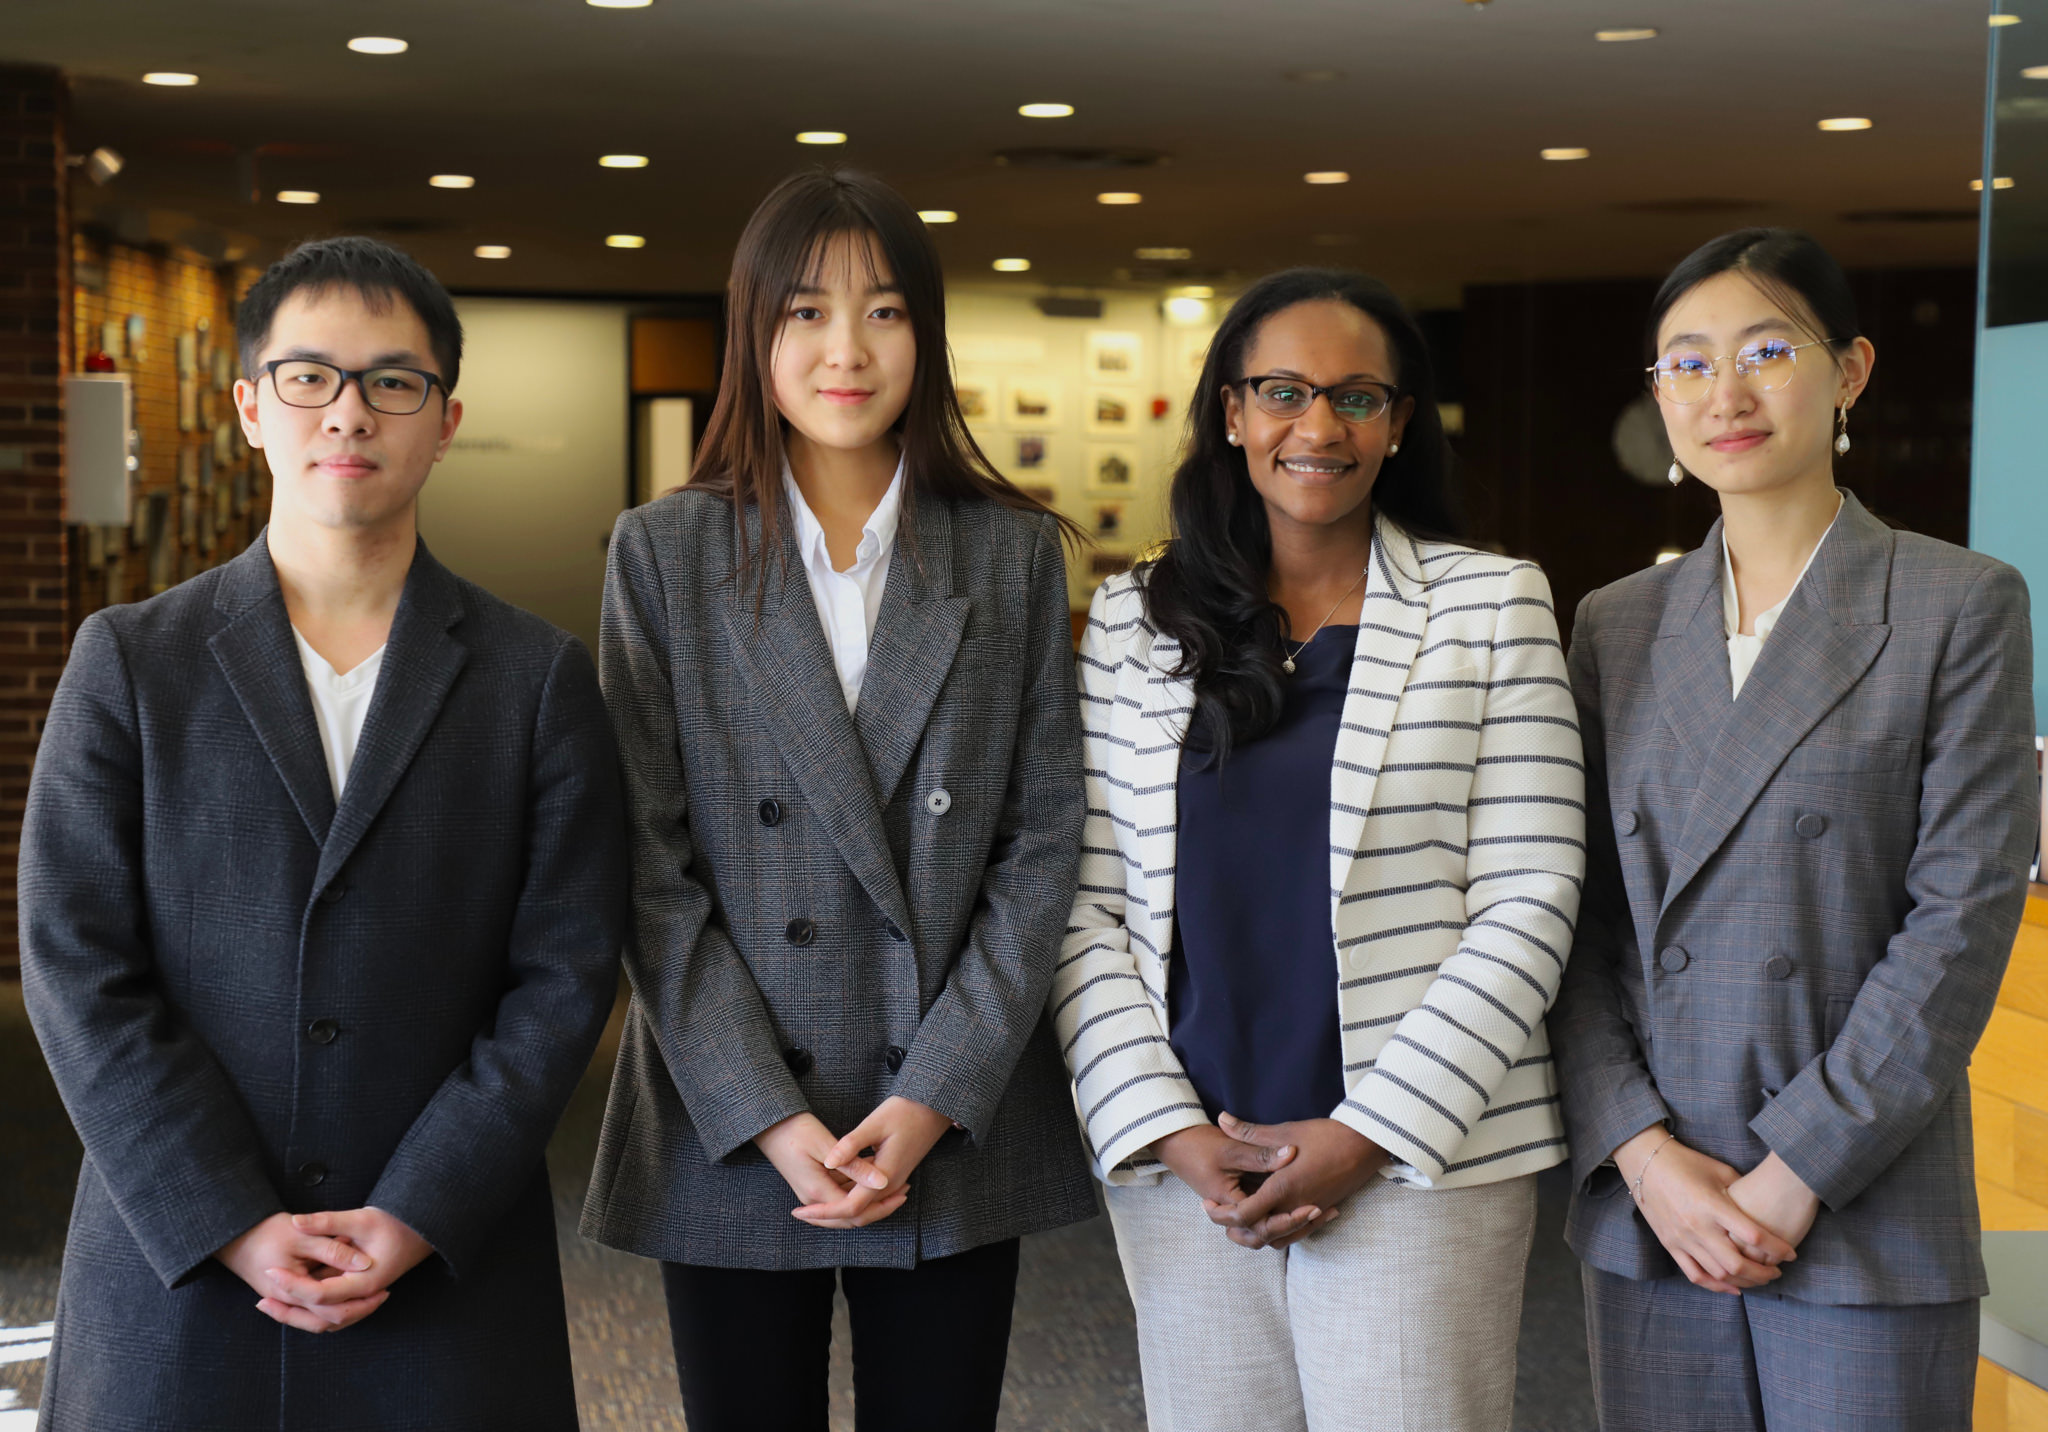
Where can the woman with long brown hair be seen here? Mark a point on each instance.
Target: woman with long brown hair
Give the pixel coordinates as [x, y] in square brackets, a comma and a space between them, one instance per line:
[839, 665]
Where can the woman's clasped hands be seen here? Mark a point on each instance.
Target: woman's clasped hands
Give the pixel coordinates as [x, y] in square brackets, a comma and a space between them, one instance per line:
[1727, 1231]
[862, 1178]
[1268, 1185]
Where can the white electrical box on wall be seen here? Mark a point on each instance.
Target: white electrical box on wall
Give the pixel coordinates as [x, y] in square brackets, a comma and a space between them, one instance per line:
[98, 414]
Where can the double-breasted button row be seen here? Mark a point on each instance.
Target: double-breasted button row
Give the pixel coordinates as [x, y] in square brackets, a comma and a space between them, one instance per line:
[323, 1031]
[1673, 958]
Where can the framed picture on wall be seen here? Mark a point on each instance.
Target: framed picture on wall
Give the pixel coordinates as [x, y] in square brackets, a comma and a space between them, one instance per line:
[1103, 562]
[1113, 357]
[1112, 469]
[1029, 451]
[1111, 412]
[1186, 350]
[1109, 522]
[1031, 403]
[977, 397]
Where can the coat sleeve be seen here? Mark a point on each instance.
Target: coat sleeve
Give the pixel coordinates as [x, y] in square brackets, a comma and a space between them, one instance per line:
[473, 1150]
[1922, 1008]
[1602, 1073]
[707, 1014]
[157, 1114]
[1130, 1089]
[970, 1039]
[1525, 860]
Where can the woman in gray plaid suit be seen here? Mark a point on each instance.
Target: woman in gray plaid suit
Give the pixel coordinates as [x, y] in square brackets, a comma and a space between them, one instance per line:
[840, 668]
[1809, 775]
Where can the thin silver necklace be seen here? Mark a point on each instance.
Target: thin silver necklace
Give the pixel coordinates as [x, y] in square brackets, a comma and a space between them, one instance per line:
[1287, 657]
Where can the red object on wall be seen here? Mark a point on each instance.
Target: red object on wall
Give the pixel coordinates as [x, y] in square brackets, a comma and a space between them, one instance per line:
[98, 362]
[1161, 407]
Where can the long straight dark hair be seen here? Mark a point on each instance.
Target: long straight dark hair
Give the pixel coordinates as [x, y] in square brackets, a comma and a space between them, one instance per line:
[779, 251]
[1208, 589]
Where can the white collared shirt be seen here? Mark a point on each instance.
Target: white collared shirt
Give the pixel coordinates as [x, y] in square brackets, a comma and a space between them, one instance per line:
[341, 704]
[848, 602]
[1744, 650]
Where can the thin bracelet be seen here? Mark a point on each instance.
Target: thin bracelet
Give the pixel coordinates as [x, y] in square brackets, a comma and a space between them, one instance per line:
[1635, 1190]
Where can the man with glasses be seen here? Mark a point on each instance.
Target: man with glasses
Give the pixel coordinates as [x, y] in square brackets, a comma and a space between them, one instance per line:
[322, 889]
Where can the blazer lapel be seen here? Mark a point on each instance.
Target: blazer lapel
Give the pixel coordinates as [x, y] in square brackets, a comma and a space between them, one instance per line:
[917, 634]
[1831, 631]
[260, 659]
[785, 659]
[1158, 733]
[1689, 660]
[421, 660]
[1390, 627]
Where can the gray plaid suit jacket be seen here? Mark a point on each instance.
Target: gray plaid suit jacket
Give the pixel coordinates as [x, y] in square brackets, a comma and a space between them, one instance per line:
[833, 908]
[1799, 904]
[254, 998]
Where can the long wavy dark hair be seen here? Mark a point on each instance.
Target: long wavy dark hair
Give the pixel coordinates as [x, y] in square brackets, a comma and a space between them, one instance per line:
[1208, 589]
[743, 451]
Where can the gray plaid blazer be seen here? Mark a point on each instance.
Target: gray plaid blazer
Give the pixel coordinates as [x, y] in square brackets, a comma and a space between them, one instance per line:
[829, 908]
[254, 998]
[1799, 904]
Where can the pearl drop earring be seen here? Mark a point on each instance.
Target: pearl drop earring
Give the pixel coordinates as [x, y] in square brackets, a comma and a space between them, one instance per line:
[1842, 436]
[1677, 474]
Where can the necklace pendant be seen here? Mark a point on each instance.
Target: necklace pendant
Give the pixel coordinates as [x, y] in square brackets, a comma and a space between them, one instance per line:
[1288, 666]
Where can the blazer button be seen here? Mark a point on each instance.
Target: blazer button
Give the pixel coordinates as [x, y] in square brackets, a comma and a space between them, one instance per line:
[322, 1031]
[332, 894]
[799, 1061]
[895, 1059]
[771, 811]
[1674, 958]
[800, 931]
[1811, 825]
[939, 801]
[1777, 967]
[1626, 822]
[896, 932]
[312, 1175]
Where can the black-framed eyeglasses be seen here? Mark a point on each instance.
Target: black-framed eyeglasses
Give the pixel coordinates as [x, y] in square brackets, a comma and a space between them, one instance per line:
[1357, 401]
[309, 383]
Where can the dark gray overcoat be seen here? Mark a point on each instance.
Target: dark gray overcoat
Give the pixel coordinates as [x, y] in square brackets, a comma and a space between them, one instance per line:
[829, 908]
[252, 1000]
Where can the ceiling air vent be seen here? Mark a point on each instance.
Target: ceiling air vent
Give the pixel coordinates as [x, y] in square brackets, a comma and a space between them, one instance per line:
[1050, 156]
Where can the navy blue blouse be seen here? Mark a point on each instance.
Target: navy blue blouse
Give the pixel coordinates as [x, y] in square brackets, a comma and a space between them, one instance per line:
[1252, 985]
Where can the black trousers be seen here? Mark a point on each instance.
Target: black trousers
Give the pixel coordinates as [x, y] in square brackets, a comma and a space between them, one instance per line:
[929, 1343]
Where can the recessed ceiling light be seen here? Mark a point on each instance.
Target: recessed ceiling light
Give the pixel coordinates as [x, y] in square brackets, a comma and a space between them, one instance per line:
[2003, 20]
[1835, 126]
[1119, 197]
[2035, 72]
[494, 251]
[1186, 308]
[623, 161]
[1011, 265]
[1045, 111]
[1165, 254]
[2001, 182]
[1567, 154]
[298, 196]
[937, 216]
[377, 45]
[821, 136]
[1614, 37]
[453, 181]
[625, 241]
[174, 78]
[1327, 176]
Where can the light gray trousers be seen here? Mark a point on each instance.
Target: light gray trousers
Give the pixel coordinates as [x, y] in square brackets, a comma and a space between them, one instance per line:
[1400, 1316]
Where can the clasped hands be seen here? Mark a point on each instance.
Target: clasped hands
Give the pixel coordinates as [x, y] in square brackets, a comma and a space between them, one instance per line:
[862, 1178]
[320, 1272]
[1727, 1231]
[1267, 1185]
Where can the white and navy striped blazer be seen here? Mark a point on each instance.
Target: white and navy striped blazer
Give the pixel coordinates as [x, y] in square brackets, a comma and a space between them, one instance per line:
[1457, 847]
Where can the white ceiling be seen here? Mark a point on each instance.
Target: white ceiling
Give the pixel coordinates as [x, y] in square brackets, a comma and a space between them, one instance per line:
[1438, 113]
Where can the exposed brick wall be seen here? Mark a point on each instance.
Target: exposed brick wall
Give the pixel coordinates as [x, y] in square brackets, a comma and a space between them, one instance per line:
[174, 292]
[34, 355]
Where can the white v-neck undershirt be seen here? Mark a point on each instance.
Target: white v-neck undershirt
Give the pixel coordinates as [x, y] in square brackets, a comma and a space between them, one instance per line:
[1744, 650]
[341, 703]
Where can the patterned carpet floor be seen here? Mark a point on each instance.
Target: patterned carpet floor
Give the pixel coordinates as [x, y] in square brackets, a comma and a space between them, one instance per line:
[1073, 1354]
